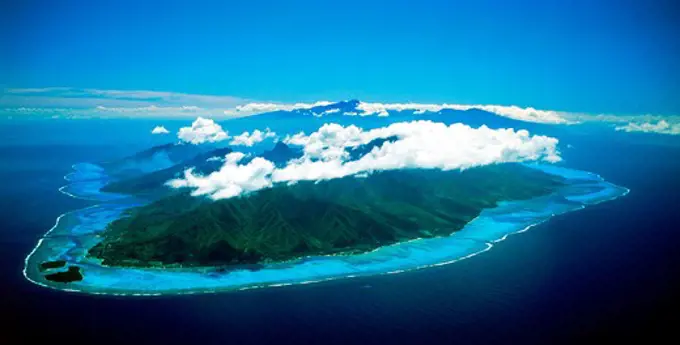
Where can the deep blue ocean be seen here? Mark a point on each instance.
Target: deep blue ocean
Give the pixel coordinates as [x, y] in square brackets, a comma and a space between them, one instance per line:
[608, 271]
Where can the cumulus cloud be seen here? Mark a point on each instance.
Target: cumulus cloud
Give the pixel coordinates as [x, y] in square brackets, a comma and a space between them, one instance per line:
[201, 131]
[159, 130]
[204, 130]
[417, 144]
[248, 139]
[660, 127]
[231, 180]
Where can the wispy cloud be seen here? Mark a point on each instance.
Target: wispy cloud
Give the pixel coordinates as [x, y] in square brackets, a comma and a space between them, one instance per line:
[660, 127]
[80, 103]
[75, 102]
[70, 102]
[655, 124]
[81, 98]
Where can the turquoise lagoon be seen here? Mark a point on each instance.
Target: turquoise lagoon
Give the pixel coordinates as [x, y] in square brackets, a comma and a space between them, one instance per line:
[77, 231]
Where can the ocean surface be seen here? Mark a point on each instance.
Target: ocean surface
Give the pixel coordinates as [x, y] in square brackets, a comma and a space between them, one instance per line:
[609, 271]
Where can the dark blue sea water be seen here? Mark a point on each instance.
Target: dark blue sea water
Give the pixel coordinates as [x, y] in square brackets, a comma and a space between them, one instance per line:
[608, 271]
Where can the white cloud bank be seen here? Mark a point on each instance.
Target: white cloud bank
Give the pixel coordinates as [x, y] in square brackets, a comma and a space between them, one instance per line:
[418, 144]
[258, 108]
[231, 180]
[382, 109]
[159, 130]
[514, 112]
[660, 127]
[204, 130]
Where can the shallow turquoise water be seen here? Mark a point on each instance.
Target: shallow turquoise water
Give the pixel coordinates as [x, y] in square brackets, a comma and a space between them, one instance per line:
[76, 232]
[610, 269]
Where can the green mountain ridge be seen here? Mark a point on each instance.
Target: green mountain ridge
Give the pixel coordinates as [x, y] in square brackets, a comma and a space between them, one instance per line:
[153, 183]
[340, 216]
[153, 159]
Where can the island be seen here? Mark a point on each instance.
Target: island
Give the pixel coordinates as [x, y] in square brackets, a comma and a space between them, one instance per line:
[146, 238]
[71, 275]
[336, 217]
[47, 265]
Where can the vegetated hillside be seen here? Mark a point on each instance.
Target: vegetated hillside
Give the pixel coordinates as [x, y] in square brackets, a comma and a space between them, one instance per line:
[348, 215]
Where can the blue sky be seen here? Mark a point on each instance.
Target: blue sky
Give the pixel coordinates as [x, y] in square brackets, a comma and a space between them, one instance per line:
[615, 57]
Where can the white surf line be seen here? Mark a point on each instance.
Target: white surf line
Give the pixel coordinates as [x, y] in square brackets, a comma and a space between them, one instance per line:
[42, 238]
[73, 167]
[56, 223]
[489, 245]
[61, 190]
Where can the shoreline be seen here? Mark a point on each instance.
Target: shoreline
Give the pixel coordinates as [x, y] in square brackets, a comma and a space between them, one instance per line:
[469, 246]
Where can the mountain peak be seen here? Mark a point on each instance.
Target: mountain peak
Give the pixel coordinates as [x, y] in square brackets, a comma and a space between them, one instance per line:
[342, 107]
[280, 154]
